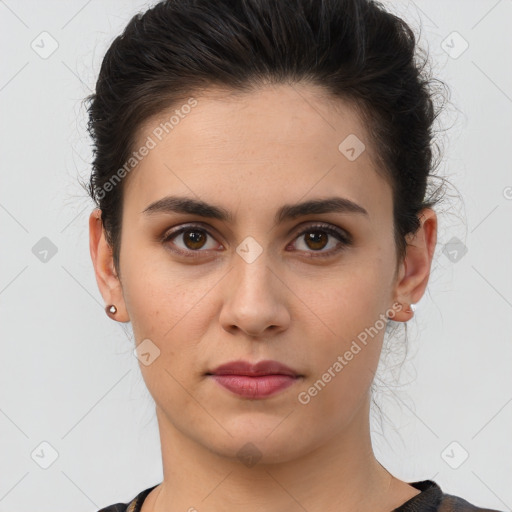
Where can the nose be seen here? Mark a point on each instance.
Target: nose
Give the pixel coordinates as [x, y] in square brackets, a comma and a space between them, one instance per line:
[254, 299]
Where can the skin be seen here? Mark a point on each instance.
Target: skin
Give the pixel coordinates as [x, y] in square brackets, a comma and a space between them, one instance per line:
[250, 154]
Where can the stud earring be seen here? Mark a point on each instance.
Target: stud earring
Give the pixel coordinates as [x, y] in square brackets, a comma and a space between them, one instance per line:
[111, 310]
[412, 308]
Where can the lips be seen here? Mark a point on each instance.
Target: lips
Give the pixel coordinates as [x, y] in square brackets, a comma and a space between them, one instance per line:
[266, 367]
[254, 381]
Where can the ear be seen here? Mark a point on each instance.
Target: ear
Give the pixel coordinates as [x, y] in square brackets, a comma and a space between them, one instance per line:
[103, 261]
[414, 271]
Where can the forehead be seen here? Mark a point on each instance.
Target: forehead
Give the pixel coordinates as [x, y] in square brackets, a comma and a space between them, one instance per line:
[255, 147]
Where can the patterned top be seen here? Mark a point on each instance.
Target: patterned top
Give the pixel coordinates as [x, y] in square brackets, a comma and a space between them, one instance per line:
[430, 499]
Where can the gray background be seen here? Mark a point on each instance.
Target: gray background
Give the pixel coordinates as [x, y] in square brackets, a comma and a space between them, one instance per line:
[68, 377]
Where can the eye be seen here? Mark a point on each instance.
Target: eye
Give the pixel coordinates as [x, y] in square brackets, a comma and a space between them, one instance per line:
[192, 237]
[316, 238]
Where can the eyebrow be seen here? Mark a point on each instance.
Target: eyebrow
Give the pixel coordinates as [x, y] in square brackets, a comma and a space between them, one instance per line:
[176, 204]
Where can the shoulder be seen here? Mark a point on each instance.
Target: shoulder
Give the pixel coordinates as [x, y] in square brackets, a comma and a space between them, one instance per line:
[118, 507]
[430, 499]
[433, 499]
[450, 503]
[132, 506]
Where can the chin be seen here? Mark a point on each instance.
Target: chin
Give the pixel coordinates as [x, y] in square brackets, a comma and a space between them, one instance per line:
[270, 441]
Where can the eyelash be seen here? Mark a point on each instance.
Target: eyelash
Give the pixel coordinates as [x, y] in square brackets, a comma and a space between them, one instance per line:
[344, 238]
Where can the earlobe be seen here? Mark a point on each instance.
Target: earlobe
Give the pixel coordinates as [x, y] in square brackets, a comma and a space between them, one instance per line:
[106, 277]
[413, 279]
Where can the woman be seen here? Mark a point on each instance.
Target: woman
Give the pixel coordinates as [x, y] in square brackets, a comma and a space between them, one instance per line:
[260, 173]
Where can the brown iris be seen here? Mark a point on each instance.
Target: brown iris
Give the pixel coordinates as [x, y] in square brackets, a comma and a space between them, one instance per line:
[194, 239]
[317, 239]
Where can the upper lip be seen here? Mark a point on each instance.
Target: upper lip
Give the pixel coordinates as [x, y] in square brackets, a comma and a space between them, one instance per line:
[266, 367]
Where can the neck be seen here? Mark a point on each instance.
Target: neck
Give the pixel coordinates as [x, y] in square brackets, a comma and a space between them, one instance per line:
[340, 475]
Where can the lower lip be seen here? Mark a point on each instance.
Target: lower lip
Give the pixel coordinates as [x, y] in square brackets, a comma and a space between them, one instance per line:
[254, 387]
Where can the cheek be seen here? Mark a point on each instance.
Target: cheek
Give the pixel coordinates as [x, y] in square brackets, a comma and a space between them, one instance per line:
[161, 296]
[343, 367]
[348, 299]
[346, 334]
[173, 308]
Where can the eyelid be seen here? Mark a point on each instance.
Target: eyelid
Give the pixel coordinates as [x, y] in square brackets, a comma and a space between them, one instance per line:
[329, 228]
[343, 236]
[176, 231]
[184, 227]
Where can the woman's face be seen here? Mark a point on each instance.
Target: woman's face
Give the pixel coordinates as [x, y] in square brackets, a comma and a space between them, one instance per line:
[260, 284]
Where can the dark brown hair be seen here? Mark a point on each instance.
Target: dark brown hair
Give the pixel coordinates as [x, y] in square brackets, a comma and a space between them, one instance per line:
[353, 49]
